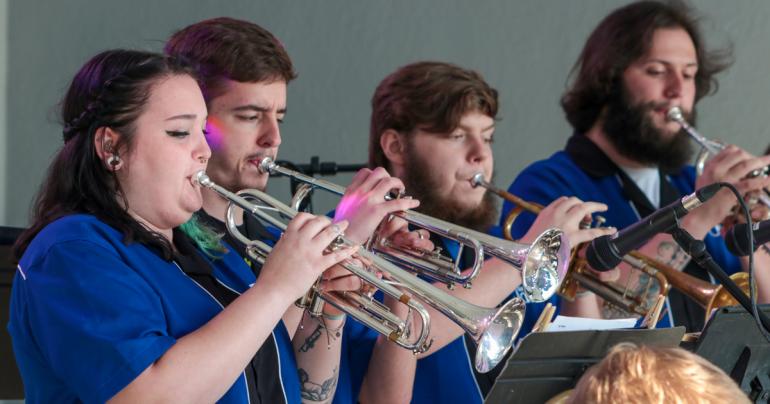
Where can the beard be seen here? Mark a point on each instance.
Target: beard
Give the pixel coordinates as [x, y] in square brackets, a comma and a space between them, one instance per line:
[634, 135]
[421, 184]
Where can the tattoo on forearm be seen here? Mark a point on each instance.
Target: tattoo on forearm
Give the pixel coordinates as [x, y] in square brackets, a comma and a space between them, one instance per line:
[672, 255]
[313, 391]
[646, 286]
[311, 340]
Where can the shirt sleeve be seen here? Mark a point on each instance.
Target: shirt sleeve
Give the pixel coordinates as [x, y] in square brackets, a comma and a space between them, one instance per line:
[536, 184]
[96, 321]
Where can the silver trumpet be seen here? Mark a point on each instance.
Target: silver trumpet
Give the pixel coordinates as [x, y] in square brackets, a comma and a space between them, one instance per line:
[711, 147]
[542, 263]
[493, 329]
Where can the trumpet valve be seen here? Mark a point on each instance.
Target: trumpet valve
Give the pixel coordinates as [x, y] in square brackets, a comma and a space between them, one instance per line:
[436, 253]
[600, 220]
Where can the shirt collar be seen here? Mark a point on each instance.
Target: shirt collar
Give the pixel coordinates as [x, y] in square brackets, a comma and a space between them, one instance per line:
[589, 157]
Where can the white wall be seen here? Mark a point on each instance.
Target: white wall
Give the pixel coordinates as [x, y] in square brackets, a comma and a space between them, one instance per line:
[343, 48]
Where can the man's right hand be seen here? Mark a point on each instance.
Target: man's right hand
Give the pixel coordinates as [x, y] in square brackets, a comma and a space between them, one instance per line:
[567, 213]
[732, 165]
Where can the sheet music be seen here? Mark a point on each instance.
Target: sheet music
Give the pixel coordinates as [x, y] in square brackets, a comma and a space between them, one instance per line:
[566, 323]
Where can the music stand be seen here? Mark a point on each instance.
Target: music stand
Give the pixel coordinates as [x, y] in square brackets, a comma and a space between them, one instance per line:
[732, 341]
[547, 363]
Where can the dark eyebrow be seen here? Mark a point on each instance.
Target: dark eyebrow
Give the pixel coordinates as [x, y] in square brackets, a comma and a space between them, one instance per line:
[186, 117]
[492, 126]
[255, 108]
[691, 64]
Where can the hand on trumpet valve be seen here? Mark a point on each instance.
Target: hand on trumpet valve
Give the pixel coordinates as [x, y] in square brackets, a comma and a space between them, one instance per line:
[302, 254]
[339, 279]
[735, 166]
[396, 231]
[365, 205]
[569, 214]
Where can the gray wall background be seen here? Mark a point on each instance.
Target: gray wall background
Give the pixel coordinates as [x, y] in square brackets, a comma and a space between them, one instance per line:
[342, 49]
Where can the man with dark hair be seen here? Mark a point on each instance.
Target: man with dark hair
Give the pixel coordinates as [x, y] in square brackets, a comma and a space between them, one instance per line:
[642, 60]
[432, 126]
[243, 71]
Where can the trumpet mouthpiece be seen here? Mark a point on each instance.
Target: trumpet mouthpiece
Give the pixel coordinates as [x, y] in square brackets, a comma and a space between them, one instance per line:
[266, 165]
[675, 114]
[201, 178]
[477, 179]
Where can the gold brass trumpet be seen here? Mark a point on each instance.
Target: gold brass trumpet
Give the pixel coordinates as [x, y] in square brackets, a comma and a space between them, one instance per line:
[493, 329]
[578, 273]
[542, 264]
[709, 296]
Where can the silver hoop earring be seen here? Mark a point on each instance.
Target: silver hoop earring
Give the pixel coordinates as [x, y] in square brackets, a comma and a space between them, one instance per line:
[114, 161]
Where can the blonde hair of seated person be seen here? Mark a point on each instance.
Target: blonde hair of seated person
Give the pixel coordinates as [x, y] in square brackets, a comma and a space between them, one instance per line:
[646, 374]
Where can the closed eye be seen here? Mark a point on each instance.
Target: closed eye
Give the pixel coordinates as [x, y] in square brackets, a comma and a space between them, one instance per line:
[177, 133]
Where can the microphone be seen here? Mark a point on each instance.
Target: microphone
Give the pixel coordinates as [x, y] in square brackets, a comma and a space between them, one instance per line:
[606, 252]
[737, 238]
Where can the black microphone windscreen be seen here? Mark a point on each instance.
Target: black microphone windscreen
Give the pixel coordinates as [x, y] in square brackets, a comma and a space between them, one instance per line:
[602, 254]
[737, 240]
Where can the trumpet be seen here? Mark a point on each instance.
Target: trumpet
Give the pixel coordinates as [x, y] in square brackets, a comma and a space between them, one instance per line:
[542, 263]
[493, 329]
[708, 147]
[711, 147]
[707, 295]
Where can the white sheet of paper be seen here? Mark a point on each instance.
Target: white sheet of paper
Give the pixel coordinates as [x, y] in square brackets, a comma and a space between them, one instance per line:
[566, 323]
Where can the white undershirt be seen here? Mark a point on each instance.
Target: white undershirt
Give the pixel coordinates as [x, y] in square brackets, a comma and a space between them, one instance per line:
[648, 180]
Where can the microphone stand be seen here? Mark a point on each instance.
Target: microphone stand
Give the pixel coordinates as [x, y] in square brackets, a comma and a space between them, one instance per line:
[697, 250]
[316, 167]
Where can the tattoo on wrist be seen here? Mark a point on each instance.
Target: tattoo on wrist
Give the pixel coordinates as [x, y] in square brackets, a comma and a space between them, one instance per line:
[311, 339]
[313, 391]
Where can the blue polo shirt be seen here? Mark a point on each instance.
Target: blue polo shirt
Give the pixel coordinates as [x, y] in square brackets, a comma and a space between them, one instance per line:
[90, 313]
[584, 171]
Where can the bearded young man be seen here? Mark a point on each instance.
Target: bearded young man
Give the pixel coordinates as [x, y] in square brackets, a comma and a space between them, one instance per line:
[640, 61]
[432, 126]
